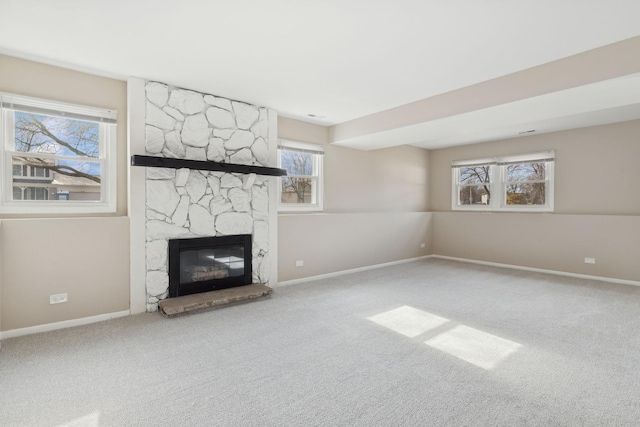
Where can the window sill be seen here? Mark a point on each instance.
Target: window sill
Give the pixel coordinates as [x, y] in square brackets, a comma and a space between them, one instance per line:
[299, 209]
[47, 209]
[507, 210]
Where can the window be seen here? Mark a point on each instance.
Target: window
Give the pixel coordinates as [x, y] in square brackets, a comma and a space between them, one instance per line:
[509, 183]
[40, 172]
[56, 157]
[30, 193]
[301, 189]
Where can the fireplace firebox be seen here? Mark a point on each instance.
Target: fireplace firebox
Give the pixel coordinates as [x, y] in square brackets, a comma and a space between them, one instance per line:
[209, 263]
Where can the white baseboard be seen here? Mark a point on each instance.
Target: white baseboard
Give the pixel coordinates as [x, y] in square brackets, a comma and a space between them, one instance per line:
[101, 317]
[541, 270]
[61, 325]
[352, 270]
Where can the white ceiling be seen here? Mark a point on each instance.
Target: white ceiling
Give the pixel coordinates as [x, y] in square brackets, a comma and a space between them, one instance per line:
[336, 58]
[608, 101]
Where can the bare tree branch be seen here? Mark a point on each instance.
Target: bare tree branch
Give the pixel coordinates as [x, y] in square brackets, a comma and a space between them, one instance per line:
[33, 127]
[298, 164]
[61, 169]
[54, 135]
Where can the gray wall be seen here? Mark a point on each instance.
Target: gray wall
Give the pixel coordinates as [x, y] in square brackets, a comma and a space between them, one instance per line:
[88, 258]
[595, 168]
[376, 209]
[596, 214]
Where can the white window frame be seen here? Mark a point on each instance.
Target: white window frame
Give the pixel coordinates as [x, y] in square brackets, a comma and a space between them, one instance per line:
[498, 183]
[106, 119]
[317, 174]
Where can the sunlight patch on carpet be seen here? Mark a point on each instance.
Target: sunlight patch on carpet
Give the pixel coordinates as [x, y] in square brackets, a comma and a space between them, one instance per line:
[408, 321]
[476, 347]
[91, 420]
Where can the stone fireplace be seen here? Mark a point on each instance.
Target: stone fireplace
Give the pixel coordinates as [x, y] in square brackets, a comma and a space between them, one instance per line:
[193, 204]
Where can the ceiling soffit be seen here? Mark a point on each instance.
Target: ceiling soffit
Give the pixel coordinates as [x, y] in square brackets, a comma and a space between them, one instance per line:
[583, 70]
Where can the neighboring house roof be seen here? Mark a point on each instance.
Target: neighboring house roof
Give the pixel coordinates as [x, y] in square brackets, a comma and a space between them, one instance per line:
[59, 179]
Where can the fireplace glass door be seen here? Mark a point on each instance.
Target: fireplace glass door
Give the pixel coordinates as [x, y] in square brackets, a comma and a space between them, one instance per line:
[208, 263]
[198, 265]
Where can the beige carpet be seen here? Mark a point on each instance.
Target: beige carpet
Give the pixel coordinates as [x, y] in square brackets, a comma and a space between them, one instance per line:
[427, 343]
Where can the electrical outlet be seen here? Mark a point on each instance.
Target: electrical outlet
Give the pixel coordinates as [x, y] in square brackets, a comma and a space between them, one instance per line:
[422, 245]
[589, 260]
[58, 298]
[299, 263]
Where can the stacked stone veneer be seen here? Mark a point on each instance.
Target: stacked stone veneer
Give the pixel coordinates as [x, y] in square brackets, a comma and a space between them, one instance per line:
[182, 203]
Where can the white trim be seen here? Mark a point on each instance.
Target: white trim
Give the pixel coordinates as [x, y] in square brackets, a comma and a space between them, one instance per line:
[62, 325]
[59, 108]
[540, 156]
[136, 110]
[274, 183]
[317, 176]
[352, 270]
[471, 261]
[541, 270]
[293, 208]
[474, 162]
[302, 146]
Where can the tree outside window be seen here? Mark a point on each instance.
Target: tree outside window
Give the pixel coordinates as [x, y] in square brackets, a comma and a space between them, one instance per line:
[475, 185]
[510, 183]
[301, 189]
[297, 185]
[525, 184]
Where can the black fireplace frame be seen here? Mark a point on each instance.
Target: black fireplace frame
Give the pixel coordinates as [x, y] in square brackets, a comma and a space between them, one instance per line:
[178, 245]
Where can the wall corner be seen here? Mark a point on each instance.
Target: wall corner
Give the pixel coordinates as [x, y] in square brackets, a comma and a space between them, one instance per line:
[273, 199]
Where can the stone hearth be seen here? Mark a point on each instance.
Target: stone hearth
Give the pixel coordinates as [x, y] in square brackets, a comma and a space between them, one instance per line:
[214, 299]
